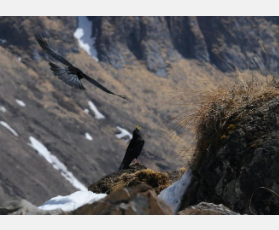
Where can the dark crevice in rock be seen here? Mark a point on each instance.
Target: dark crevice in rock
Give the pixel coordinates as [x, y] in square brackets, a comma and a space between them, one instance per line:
[134, 45]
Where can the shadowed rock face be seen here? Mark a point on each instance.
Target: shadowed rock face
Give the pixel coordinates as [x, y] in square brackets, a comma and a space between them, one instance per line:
[243, 162]
[139, 200]
[225, 42]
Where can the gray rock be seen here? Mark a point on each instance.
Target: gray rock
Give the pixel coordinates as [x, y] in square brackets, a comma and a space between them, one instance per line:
[204, 208]
[24, 207]
[138, 200]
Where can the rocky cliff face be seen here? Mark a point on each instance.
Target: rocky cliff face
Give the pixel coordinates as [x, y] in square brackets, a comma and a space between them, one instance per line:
[226, 42]
[138, 57]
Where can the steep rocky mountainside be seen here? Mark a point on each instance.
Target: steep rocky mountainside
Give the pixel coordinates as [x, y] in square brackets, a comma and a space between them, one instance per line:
[161, 41]
[144, 58]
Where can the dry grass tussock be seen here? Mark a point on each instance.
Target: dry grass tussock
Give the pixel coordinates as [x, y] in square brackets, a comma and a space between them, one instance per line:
[158, 180]
[207, 113]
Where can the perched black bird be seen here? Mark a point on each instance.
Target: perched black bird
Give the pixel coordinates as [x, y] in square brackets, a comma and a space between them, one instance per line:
[134, 149]
[70, 74]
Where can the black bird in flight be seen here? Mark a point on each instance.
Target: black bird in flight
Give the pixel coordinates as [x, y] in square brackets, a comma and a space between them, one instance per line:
[70, 74]
[134, 149]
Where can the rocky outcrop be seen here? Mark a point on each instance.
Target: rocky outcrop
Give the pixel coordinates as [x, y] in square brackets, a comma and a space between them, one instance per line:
[122, 40]
[240, 167]
[160, 41]
[139, 200]
[207, 209]
[230, 45]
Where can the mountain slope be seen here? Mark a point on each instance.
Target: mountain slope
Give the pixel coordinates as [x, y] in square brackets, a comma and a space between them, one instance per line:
[148, 72]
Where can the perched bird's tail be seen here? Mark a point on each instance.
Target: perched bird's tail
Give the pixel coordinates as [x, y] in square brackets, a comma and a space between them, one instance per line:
[121, 166]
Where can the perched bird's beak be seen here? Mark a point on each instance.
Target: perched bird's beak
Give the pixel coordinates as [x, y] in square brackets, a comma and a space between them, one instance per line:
[137, 127]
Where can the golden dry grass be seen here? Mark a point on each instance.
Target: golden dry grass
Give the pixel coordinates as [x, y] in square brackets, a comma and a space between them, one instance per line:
[158, 180]
[209, 111]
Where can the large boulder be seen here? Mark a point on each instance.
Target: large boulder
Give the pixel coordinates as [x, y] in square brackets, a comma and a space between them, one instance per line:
[139, 200]
[237, 156]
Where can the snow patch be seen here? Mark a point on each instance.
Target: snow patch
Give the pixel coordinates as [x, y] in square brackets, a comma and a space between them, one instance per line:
[54, 161]
[86, 111]
[174, 193]
[98, 115]
[21, 103]
[88, 137]
[19, 58]
[3, 109]
[123, 133]
[83, 35]
[72, 202]
[9, 128]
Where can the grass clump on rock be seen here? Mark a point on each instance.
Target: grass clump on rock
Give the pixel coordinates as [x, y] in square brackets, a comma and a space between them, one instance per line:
[134, 175]
[214, 114]
[157, 180]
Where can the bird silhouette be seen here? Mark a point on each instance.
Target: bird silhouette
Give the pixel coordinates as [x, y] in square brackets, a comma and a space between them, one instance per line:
[70, 74]
[133, 150]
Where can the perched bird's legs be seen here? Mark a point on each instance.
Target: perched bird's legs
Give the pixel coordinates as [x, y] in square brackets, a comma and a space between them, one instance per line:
[136, 161]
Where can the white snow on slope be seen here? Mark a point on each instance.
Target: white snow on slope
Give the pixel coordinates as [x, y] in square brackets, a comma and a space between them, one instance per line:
[98, 115]
[174, 193]
[73, 201]
[88, 137]
[86, 111]
[9, 128]
[123, 133]
[83, 35]
[3, 109]
[54, 161]
[19, 58]
[21, 103]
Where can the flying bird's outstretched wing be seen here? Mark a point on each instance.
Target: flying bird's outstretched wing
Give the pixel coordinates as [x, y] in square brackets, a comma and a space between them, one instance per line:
[49, 50]
[65, 75]
[70, 75]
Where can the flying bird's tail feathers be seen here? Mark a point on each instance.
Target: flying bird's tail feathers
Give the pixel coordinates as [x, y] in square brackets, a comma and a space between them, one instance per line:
[91, 80]
[123, 96]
